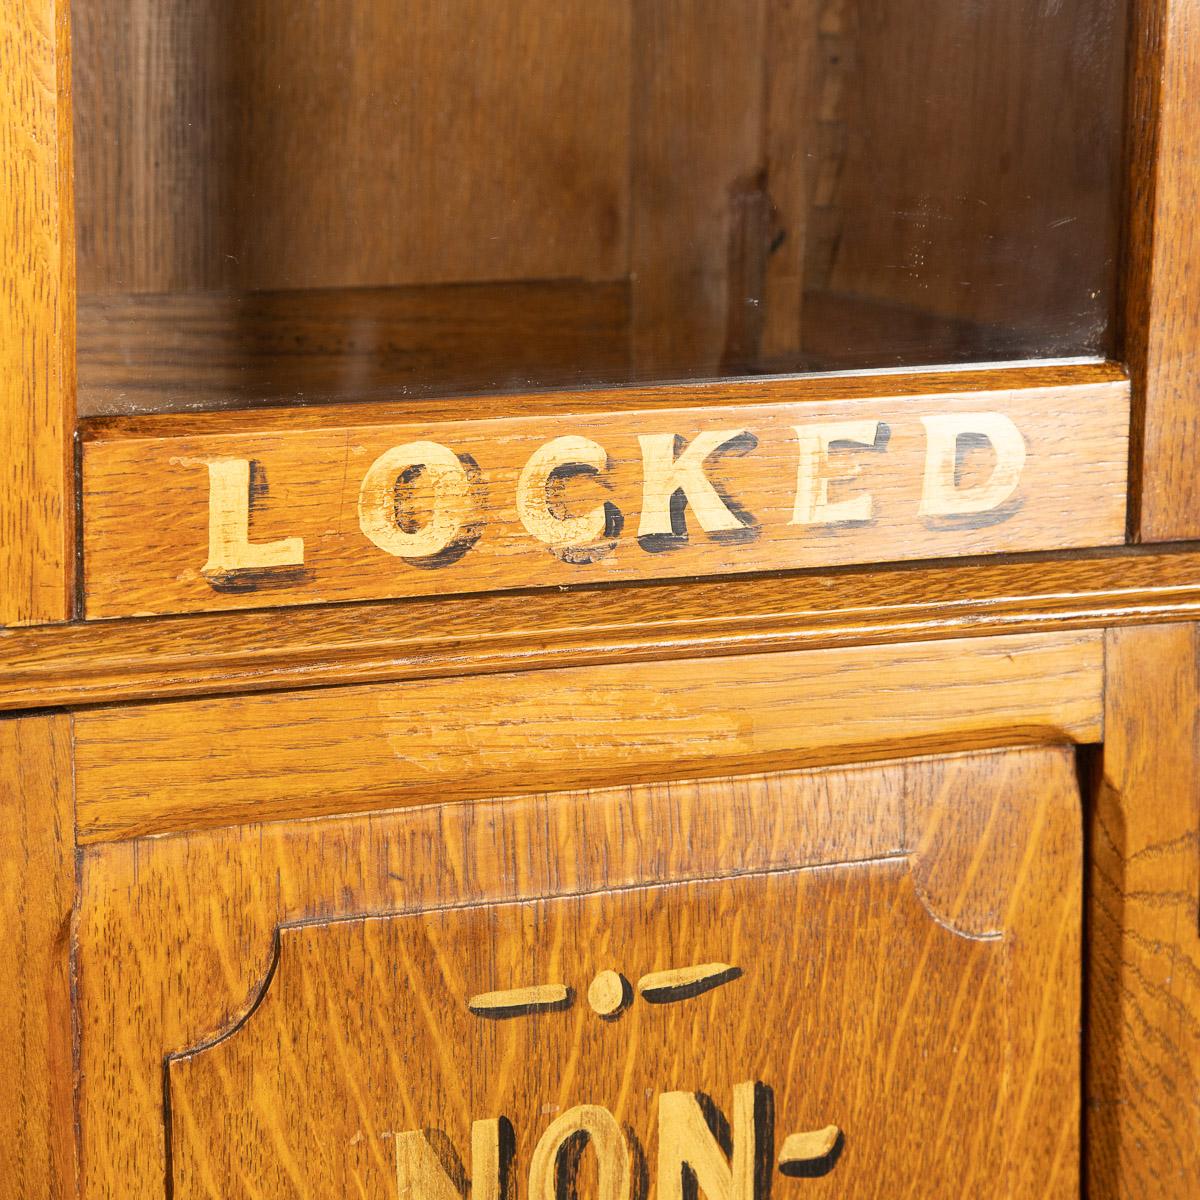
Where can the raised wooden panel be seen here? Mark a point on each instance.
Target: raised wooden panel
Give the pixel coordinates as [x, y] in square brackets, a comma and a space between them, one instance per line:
[797, 1027]
[152, 768]
[300, 506]
[907, 938]
[37, 314]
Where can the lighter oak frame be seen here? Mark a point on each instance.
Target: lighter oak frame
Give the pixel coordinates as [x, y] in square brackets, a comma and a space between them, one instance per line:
[37, 891]
[37, 314]
[152, 768]
[1143, 1014]
[1161, 268]
[112, 662]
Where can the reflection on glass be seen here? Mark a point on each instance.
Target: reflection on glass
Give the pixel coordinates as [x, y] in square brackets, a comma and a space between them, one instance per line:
[351, 199]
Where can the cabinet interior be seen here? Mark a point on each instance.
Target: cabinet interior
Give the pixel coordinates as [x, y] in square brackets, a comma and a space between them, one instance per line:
[348, 199]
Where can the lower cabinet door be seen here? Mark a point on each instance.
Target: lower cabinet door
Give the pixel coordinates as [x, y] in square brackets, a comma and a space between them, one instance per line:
[851, 982]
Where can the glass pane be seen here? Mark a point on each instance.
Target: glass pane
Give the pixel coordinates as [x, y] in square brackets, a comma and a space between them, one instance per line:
[348, 199]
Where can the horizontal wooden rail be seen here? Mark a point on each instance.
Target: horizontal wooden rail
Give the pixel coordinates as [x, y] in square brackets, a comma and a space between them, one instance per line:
[234, 511]
[156, 768]
[129, 660]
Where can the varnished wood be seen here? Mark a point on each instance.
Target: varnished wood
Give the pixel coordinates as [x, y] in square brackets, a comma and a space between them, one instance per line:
[843, 386]
[37, 314]
[202, 351]
[978, 170]
[967, 869]
[963, 873]
[301, 506]
[350, 143]
[150, 769]
[37, 890]
[115, 661]
[1143, 1029]
[1162, 268]
[184, 351]
[698, 103]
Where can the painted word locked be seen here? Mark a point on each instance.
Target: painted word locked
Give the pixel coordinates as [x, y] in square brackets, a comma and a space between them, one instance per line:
[426, 504]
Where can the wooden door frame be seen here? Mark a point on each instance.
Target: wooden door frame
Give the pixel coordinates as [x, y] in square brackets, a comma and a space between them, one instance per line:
[1161, 269]
[37, 315]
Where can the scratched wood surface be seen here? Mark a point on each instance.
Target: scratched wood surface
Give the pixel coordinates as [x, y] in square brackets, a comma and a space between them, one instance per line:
[305, 506]
[967, 869]
[37, 307]
[37, 881]
[154, 768]
[1143, 1025]
[1162, 266]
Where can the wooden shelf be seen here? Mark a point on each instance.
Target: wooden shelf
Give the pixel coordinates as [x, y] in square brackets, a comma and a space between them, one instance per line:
[192, 351]
[204, 351]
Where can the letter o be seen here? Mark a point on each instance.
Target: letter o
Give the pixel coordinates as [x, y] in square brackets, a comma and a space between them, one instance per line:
[451, 500]
[607, 1140]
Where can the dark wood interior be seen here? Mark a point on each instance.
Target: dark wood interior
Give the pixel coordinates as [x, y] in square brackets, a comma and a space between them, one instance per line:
[371, 197]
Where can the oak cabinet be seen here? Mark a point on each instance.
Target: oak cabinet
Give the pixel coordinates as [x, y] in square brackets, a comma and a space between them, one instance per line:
[596, 601]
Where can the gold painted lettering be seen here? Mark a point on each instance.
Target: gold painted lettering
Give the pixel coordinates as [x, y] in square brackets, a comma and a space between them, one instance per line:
[603, 1134]
[813, 506]
[685, 1141]
[489, 1153]
[533, 498]
[423, 1174]
[229, 545]
[664, 474]
[449, 485]
[536, 998]
[811, 1153]
[942, 496]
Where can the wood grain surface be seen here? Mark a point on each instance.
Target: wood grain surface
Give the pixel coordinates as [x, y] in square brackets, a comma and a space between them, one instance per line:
[183, 351]
[967, 867]
[350, 143]
[304, 506]
[37, 314]
[37, 889]
[1143, 1027]
[978, 173]
[1162, 267]
[697, 77]
[719, 183]
[154, 768]
[238, 653]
